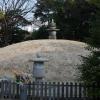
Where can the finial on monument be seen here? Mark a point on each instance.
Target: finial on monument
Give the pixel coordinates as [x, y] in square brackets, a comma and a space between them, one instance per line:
[52, 30]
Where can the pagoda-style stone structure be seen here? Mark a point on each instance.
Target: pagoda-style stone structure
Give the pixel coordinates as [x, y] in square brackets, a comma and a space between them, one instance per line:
[52, 30]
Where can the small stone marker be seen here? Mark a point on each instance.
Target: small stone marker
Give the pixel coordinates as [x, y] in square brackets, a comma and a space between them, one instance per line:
[38, 68]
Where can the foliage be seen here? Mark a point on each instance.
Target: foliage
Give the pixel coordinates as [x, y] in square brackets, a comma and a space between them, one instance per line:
[90, 68]
[42, 33]
[14, 15]
[44, 10]
[72, 17]
[1, 15]
[16, 35]
[94, 40]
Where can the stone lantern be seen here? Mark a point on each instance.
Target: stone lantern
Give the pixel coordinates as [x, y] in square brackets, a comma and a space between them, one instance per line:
[38, 68]
[52, 30]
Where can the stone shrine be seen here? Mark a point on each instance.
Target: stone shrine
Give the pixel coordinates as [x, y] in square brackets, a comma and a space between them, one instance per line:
[38, 68]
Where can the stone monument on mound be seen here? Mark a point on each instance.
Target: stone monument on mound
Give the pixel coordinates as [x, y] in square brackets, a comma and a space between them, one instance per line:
[52, 30]
[38, 68]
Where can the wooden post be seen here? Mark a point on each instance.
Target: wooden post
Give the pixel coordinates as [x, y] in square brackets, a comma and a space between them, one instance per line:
[23, 94]
[45, 89]
[42, 88]
[29, 90]
[2, 89]
[54, 84]
[80, 90]
[75, 94]
[58, 90]
[71, 90]
[67, 92]
[33, 90]
[62, 90]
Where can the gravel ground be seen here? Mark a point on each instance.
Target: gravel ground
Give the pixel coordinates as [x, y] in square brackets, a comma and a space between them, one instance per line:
[63, 56]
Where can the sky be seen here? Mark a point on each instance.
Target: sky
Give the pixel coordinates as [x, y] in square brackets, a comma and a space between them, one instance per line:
[32, 27]
[30, 16]
[9, 3]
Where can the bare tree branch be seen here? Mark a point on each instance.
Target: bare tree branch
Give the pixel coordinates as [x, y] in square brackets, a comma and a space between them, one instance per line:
[15, 12]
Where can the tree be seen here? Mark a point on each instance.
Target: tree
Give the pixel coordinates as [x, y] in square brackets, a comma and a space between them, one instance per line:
[14, 16]
[42, 33]
[44, 10]
[90, 68]
[19, 35]
[72, 17]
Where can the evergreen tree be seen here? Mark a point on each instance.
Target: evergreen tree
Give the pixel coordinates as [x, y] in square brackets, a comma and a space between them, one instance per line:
[90, 68]
[72, 17]
[42, 33]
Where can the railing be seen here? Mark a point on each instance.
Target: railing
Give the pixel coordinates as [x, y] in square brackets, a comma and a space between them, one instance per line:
[49, 91]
